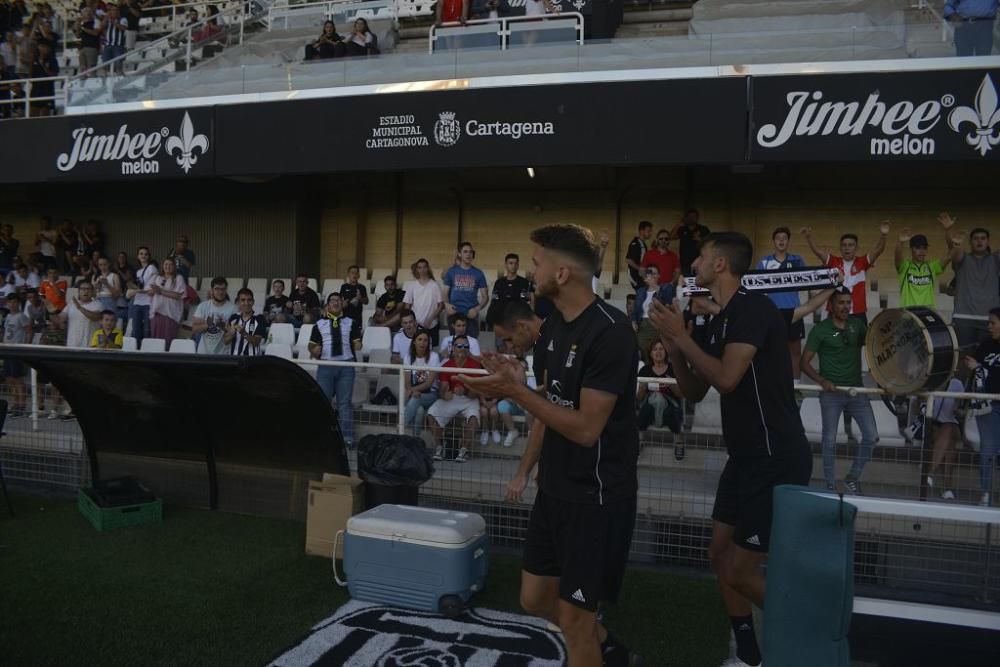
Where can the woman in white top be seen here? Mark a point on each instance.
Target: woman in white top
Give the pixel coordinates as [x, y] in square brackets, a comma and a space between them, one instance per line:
[168, 291]
[107, 285]
[421, 386]
[141, 297]
[423, 296]
[361, 41]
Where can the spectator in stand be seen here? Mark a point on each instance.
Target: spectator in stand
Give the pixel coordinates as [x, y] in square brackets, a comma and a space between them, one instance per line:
[141, 296]
[183, 257]
[636, 251]
[9, 250]
[89, 240]
[212, 27]
[16, 331]
[24, 277]
[421, 385]
[786, 302]
[690, 233]
[423, 297]
[641, 323]
[455, 399]
[113, 36]
[25, 53]
[126, 278]
[946, 434]
[459, 328]
[389, 308]
[538, 7]
[917, 276]
[107, 285]
[36, 309]
[837, 341]
[977, 282]
[337, 337]
[361, 41]
[132, 12]
[278, 304]
[53, 290]
[123, 268]
[491, 9]
[167, 308]
[66, 242]
[108, 335]
[245, 331]
[328, 45]
[81, 317]
[986, 368]
[45, 241]
[465, 288]
[855, 268]
[43, 92]
[43, 32]
[489, 419]
[973, 21]
[663, 258]
[211, 318]
[451, 11]
[403, 339]
[303, 303]
[508, 287]
[8, 53]
[660, 404]
[355, 296]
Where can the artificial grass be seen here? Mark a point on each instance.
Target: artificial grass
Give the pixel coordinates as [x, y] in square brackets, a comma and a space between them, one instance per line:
[222, 589]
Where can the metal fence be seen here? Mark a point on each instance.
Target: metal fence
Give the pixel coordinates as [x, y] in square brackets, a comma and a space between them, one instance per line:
[931, 553]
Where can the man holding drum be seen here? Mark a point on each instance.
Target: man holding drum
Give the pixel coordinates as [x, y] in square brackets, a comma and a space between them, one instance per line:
[746, 359]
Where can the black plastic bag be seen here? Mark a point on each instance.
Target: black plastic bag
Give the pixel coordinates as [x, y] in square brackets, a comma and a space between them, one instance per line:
[394, 460]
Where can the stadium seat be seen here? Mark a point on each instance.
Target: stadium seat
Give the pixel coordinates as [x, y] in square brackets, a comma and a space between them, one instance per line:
[707, 414]
[375, 338]
[302, 344]
[235, 284]
[193, 281]
[313, 285]
[259, 288]
[182, 345]
[331, 285]
[153, 345]
[129, 344]
[362, 386]
[378, 275]
[281, 332]
[365, 275]
[487, 341]
[283, 350]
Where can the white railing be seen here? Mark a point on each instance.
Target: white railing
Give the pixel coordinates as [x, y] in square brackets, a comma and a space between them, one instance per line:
[327, 9]
[946, 30]
[27, 86]
[178, 12]
[503, 30]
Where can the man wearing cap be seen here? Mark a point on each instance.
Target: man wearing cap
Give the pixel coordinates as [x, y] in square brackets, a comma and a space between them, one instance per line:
[917, 276]
[837, 341]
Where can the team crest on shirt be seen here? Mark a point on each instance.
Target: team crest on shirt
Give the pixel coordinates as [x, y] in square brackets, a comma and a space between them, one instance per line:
[572, 356]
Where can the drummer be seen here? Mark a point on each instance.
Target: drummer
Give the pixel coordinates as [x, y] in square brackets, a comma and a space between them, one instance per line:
[837, 341]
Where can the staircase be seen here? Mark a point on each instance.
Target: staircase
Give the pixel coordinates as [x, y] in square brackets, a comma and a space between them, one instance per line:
[662, 19]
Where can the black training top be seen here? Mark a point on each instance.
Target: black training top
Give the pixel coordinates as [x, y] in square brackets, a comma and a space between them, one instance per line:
[597, 350]
[759, 418]
[988, 354]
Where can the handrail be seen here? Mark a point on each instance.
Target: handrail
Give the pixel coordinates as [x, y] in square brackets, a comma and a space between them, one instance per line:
[28, 98]
[286, 11]
[504, 26]
[172, 39]
[946, 29]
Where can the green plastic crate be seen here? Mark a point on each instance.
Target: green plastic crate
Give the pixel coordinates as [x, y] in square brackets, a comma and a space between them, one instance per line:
[109, 518]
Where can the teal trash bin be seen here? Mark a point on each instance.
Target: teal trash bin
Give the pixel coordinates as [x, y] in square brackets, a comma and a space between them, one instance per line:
[810, 580]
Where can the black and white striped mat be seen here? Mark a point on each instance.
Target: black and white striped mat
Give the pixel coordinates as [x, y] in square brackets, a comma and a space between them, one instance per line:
[362, 634]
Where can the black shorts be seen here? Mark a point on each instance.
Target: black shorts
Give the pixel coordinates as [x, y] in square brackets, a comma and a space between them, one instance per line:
[585, 545]
[796, 330]
[13, 368]
[744, 497]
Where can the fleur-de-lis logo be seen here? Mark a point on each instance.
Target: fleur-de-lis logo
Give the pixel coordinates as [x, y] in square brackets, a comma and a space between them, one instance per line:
[186, 144]
[984, 118]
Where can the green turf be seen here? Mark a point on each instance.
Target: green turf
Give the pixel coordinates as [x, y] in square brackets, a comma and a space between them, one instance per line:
[206, 588]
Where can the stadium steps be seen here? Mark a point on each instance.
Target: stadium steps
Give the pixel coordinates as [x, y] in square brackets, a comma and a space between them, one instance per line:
[655, 21]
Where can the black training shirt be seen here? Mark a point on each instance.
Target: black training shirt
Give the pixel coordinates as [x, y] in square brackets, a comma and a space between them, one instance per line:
[505, 291]
[636, 249]
[759, 418]
[597, 350]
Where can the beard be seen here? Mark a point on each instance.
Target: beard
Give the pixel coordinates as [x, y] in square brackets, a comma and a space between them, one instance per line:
[548, 289]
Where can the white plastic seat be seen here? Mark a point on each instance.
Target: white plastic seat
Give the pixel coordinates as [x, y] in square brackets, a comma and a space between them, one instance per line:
[182, 346]
[331, 285]
[708, 414]
[153, 345]
[313, 285]
[259, 288]
[487, 341]
[194, 281]
[281, 332]
[376, 338]
[283, 350]
[235, 284]
[302, 344]
[129, 344]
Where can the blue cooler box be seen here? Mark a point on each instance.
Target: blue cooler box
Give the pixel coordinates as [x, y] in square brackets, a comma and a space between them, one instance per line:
[416, 557]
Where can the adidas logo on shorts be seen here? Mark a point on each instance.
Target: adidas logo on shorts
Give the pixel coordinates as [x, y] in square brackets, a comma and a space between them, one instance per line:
[578, 596]
[754, 540]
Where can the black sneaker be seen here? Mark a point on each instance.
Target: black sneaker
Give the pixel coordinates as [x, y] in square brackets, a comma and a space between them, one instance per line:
[853, 485]
[679, 452]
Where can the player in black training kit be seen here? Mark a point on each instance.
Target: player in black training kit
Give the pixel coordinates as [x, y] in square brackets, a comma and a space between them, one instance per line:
[581, 524]
[745, 357]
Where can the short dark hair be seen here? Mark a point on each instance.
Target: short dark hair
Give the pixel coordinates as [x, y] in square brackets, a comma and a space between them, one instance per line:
[407, 313]
[333, 294]
[692, 210]
[735, 247]
[781, 230]
[979, 230]
[663, 231]
[388, 278]
[459, 317]
[645, 224]
[219, 280]
[995, 312]
[511, 255]
[573, 241]
[853, 237]
[462, 244]
[354, 266]
[457, 338]
[108, 312]
[841, 290]
[276, 281]
[244, 290]
[514, 312]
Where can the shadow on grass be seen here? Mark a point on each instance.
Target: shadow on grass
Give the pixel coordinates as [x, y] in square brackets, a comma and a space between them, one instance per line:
[222, 589]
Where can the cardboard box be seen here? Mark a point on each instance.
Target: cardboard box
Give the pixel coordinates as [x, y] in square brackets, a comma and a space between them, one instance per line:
[331, 503]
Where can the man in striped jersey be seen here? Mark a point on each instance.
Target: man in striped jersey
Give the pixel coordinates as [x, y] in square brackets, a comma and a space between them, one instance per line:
[336, 338]
[245, 331]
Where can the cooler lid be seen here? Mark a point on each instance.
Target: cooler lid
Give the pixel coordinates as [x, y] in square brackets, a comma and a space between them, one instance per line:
[423, 524]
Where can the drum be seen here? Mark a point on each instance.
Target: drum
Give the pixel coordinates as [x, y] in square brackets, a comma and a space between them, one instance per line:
[911, 350]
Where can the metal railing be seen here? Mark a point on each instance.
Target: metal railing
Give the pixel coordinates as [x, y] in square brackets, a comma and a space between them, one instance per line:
[503, 31]
[27, 88]
[947, 31]
[327, 9]
[178, 12]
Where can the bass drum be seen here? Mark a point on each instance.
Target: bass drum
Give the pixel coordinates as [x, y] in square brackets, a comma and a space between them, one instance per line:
[911, 350]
